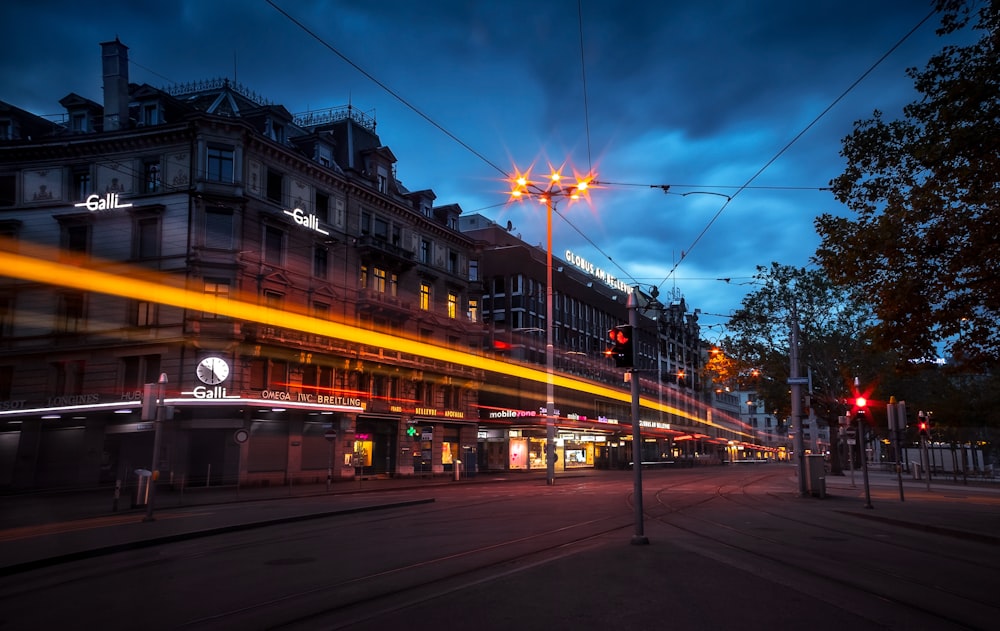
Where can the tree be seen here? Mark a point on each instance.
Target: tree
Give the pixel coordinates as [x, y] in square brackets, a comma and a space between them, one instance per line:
[924, 244]
[833, 340]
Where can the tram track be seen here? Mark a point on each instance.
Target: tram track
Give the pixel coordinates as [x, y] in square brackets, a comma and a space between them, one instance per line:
[848, 570]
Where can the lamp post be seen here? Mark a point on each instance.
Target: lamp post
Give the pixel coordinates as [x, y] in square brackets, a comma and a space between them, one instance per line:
[554, 188]
[161, 388]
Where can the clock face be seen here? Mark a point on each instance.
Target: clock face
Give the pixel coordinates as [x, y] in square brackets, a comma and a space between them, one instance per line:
[213, 370]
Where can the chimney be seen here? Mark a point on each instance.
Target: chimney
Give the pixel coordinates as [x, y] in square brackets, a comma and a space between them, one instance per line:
[114, 57]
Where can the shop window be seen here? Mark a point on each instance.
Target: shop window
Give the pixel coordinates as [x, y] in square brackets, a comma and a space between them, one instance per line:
[268, 446]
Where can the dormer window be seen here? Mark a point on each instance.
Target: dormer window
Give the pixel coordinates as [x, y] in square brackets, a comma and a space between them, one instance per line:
[150, 114]
[78, 122]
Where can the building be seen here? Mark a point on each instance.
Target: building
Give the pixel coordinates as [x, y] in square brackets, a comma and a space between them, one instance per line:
[213, 194]
[593, 426]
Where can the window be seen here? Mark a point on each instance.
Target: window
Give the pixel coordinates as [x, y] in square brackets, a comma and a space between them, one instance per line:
[425, 296]
[216, 291]
[274, 186]
[151, 175]
[380, 228]
[473, 310]
[425, 251]
[393, 285]
[81, 182]
[274, 244]
[219, 165]
[78, 122]
[68, 378]
[452, 305]
[144, 313]
[6, 316]
[273, 299]
[76, 240]
[6, 382]
[268, 374]
[322, 204]
[473, 270]
[8, 190]
[321, 310]
[218, 229]
[147, 237]
[378, 280]
[397, 238]
[452, 261]
[150, 114]
[363, 280]
[70, 312]
[321, 262]
[139, 370]
[366, 222]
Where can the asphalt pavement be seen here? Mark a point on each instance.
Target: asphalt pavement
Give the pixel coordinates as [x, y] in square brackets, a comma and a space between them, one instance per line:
[43, 529]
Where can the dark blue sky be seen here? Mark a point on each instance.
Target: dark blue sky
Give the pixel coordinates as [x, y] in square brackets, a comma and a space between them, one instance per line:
[700, 95]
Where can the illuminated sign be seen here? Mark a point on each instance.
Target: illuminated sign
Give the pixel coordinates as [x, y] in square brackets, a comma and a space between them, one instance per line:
[303, 397]
[308, 221]
[218, 392]
[585, 265]
[109, 202]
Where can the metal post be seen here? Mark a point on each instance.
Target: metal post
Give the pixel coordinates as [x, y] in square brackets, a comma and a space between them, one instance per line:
[157, 430]
[796, 387]
[864, 461]
[550, 404]
[639, 538]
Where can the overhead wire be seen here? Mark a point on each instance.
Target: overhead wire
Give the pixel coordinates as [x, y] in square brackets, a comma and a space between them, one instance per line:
[685, 253]
[389, 90]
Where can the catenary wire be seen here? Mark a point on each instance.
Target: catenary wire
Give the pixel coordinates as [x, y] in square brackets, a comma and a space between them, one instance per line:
[774, 158]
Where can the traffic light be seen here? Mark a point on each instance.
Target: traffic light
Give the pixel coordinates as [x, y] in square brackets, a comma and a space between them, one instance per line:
[622, 349]
[923, 425]
[861, 404]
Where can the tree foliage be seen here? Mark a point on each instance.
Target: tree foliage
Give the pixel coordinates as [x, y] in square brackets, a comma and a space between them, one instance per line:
[833, 340]
[923, 246]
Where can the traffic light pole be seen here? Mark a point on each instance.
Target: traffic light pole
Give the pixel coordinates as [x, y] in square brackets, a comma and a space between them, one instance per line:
[639, 538]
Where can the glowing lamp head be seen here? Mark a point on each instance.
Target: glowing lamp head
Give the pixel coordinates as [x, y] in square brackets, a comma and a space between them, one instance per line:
[861, 402]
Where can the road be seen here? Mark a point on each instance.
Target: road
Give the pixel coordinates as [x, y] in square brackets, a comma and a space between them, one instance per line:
[729, 547]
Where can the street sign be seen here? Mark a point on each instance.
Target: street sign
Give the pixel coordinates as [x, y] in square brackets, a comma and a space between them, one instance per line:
[241, 436]
[798, 381]
[331, 434]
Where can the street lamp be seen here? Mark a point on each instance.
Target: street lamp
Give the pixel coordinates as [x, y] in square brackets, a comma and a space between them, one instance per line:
[548, 193]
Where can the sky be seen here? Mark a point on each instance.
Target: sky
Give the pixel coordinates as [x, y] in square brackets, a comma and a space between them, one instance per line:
[702, 95]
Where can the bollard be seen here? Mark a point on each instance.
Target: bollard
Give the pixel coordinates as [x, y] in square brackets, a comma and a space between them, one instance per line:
[458, 469]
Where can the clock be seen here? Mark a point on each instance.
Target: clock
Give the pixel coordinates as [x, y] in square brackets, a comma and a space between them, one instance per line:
[213, 370]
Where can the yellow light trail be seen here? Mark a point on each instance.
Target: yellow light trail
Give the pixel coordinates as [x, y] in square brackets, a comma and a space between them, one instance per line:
[47, 270]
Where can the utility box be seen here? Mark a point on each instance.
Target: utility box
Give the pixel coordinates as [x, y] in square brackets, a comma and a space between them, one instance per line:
[816, 474]
[142, 481]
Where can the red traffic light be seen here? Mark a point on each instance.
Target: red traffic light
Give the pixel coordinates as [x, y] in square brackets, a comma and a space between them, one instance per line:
[861, 402]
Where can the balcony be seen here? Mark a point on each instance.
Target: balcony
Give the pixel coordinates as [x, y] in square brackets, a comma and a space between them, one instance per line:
[380, 252]
[378, 302]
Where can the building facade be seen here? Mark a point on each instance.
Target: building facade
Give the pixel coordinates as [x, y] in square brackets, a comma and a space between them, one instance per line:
[593, 427]
[239, 207]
